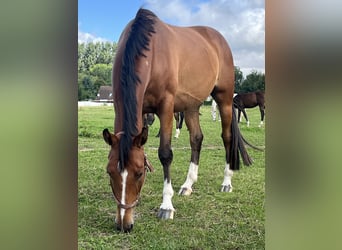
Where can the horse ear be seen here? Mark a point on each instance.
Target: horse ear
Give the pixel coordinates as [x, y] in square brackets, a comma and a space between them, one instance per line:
[141, 139]
[109, 138]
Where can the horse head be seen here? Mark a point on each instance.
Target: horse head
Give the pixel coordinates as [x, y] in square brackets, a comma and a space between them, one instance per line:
[126, 179]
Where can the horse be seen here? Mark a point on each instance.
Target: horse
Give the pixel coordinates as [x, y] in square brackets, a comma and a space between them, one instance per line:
[250, 100]
[179, 117]
[162, 69]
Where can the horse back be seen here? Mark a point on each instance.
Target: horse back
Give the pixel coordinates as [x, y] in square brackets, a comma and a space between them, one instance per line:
[187, 63]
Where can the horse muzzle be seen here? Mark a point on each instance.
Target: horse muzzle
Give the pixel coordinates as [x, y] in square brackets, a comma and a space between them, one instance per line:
[126, 228]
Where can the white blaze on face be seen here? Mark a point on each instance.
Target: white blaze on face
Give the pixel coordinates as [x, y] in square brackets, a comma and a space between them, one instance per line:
[123, 194]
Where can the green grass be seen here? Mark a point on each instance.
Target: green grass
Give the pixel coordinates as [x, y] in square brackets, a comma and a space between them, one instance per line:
[208, 219]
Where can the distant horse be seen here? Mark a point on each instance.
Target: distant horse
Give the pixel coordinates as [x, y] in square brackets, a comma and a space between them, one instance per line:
[162, 69]
[250, 100]
[179, 117]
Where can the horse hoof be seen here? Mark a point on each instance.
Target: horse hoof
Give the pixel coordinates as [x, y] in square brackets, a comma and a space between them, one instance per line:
[165, 214]
[227, 189]
[185, 191]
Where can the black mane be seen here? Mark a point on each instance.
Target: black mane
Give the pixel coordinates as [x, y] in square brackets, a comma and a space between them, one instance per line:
[138, 40]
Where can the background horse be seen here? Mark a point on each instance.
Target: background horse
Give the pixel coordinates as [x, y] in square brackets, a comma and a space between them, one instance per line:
[179, 117]
[250, 100]
[162, 69]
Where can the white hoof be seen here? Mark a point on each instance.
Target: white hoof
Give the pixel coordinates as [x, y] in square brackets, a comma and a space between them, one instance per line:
[185, 191]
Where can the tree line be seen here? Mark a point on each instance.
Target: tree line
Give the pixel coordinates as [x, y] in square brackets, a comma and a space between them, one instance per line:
[95, 62]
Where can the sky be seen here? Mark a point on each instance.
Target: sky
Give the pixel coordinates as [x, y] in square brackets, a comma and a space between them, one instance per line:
[241, 22]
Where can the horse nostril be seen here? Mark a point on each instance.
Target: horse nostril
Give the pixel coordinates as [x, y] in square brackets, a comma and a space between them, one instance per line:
[129, 228]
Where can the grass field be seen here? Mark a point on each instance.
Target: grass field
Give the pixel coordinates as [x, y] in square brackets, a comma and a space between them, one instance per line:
[208, 219]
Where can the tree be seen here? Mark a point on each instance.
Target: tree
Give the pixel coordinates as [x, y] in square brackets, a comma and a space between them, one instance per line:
[238, 79]
[102, 72]
[253, 82]
[95, 62]
[86, 87]
[90, 54]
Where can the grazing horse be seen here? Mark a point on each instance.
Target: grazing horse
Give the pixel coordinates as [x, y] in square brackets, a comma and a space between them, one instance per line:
[162, 69]
[250, 100]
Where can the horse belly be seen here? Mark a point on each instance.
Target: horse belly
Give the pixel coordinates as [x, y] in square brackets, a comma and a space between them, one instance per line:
[186, 101]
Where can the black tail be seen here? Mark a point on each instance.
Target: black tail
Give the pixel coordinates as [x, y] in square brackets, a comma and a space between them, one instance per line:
[237, 145]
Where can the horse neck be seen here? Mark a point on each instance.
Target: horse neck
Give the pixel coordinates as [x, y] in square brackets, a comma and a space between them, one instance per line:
[119, 111]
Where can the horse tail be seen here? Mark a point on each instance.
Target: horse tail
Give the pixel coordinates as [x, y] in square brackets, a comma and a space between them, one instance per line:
[138, 40]
[237, 145]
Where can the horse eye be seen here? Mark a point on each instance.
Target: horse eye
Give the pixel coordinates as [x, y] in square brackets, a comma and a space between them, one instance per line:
[138, 175]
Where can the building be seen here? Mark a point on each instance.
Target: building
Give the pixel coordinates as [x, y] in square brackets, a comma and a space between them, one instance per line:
[105, 94]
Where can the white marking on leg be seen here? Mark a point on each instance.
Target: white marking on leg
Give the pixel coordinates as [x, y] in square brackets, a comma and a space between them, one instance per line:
[123, 193]
[247, 123]
[177, 133]
[190, 179]
[227, 180]
[167, 196]
[261, 123]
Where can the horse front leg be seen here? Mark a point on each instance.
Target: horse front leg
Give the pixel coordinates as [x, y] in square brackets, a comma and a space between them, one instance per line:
[196, 138]
[166, 210]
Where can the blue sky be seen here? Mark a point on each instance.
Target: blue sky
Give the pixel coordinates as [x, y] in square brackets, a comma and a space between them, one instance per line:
[241, 22]
[106, 18]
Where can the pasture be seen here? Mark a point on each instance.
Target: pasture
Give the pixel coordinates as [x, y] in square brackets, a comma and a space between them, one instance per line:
[208, 219]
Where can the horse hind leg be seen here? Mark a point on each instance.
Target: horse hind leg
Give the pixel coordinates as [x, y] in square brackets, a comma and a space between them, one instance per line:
[226, 119]
[196, 138]
[239, 115]
[233, 143]
[246, 117]
[227, 179]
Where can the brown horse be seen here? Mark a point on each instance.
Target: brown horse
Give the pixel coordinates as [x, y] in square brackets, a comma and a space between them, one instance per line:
[250, 100]
[162, 69]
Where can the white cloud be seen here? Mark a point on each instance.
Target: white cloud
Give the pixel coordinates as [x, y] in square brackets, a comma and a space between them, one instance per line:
[84, 37]
[241, 22]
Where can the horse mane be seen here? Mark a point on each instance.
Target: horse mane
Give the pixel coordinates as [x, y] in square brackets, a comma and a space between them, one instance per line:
[138, 40]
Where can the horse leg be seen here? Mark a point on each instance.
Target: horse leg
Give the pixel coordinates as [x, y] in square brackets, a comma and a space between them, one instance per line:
[245, 115]
[226, 119]
[262, 113]
[165, 154]
[181, 118]
[177, 124]
[239, 115]
[196, 138]
[213, 110]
